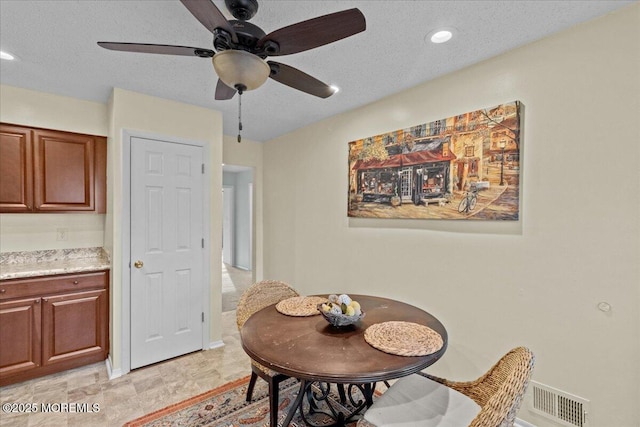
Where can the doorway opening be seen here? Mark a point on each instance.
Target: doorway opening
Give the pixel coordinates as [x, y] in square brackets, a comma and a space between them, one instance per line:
[237, 233]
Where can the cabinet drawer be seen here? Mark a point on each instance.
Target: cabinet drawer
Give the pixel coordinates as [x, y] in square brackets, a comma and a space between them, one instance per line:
[48, 285]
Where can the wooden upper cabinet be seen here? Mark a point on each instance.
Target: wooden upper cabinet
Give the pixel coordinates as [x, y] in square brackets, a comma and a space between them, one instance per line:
[65, 165]
[55, 171]
[16, 169]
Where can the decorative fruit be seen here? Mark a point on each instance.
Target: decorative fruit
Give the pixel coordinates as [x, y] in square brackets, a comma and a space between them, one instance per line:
[335, 309]
[342, 304]
[344, 299]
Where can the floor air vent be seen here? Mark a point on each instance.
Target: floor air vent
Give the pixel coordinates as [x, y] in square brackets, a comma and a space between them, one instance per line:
[564, 408]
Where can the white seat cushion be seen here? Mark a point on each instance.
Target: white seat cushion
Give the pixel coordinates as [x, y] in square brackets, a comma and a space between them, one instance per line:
[419, 401]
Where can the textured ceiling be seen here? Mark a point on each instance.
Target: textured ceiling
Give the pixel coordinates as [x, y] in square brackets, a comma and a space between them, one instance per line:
[56, 50]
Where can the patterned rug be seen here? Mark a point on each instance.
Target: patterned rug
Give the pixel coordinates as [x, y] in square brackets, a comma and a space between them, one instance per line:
[226, 406]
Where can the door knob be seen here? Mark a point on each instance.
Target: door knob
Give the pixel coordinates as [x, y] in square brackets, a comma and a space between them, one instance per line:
[138, 264]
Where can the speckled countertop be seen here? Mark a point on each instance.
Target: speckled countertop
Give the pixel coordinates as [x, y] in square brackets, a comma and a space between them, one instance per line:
[15, 265]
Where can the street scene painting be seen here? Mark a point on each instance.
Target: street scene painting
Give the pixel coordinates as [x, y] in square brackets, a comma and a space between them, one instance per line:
[461, 167]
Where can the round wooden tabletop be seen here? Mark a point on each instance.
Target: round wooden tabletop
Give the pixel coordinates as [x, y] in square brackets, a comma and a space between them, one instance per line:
[310, 348]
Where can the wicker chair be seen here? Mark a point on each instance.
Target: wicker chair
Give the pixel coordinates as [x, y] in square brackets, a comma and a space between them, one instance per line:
[256, 297]
[490, 401]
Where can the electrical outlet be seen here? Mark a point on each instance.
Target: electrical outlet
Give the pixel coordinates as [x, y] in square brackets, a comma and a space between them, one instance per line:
[62, 234]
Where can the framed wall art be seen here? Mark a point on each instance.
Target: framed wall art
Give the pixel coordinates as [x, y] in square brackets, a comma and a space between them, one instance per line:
[461, 167]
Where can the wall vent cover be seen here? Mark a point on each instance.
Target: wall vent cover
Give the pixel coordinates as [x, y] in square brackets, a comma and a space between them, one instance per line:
[564, 408]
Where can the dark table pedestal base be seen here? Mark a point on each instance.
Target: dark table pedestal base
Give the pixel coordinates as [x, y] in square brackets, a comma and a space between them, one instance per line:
[316, 398]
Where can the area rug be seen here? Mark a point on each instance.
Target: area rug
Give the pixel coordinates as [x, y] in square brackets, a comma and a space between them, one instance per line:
[226, 406]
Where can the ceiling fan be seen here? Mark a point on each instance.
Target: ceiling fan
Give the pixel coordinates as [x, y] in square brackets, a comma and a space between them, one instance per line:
[241, 47]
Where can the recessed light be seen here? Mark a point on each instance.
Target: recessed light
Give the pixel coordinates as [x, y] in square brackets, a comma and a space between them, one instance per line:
[6, 55]
[335, 88]
[441, 36]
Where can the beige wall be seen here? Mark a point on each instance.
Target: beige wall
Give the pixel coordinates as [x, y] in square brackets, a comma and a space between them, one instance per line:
[32, 108]
[536, 282]
[249, 153]
[28, 232]
[136, 112]
[34, 232]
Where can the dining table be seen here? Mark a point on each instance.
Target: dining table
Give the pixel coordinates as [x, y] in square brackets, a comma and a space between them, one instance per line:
[312, 350]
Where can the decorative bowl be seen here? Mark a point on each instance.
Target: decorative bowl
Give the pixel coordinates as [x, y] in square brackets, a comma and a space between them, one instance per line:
[339, 320]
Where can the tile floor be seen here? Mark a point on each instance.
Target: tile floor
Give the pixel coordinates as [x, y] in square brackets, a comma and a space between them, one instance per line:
[141, 391]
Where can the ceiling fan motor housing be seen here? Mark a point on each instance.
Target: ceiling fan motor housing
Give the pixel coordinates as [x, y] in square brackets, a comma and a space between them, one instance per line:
[242, 10]
[248, 36]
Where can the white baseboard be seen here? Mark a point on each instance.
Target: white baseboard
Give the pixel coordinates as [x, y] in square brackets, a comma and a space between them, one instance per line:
[521, 423]
[112, 373]
[215, 344]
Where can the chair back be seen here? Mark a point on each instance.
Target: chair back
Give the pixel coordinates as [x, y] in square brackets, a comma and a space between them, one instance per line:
[500, 391]
[260, 295]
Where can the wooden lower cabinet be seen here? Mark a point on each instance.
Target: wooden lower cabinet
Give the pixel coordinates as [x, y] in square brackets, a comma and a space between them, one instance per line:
[65, 327]
[20, 348]
[73, 327]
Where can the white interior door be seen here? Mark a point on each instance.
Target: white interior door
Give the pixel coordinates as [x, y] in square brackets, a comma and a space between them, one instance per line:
[166, 250]
[227, 224]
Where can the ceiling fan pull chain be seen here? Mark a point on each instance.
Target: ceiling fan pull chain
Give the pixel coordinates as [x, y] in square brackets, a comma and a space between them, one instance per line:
[239, 116]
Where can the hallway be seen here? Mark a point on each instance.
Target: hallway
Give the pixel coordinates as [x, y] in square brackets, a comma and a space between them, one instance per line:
[234, 282]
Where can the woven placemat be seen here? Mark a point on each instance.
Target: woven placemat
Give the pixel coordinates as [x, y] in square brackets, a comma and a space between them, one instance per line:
[300, 306]
[403, 338]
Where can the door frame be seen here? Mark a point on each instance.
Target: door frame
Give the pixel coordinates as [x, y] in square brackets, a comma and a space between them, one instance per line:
[125, 314]
[232, 222]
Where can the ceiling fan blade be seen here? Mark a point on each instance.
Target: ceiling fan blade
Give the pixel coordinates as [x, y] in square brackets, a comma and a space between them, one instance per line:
[210, 16]
[223, 91]
[296, 79]
[316, 32]
[158, 48]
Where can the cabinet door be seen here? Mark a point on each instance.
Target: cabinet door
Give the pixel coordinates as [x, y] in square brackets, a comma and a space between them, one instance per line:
[74, 326]
[19, 336]
[64, 178]
[16, 169]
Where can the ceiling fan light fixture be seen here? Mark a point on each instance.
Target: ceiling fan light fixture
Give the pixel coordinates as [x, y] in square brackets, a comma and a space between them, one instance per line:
[239, 68]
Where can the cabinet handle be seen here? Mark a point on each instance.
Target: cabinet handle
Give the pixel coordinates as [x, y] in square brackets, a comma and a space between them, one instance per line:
[75, 282]
[45, 299]
[37, 301]
[2, 291]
